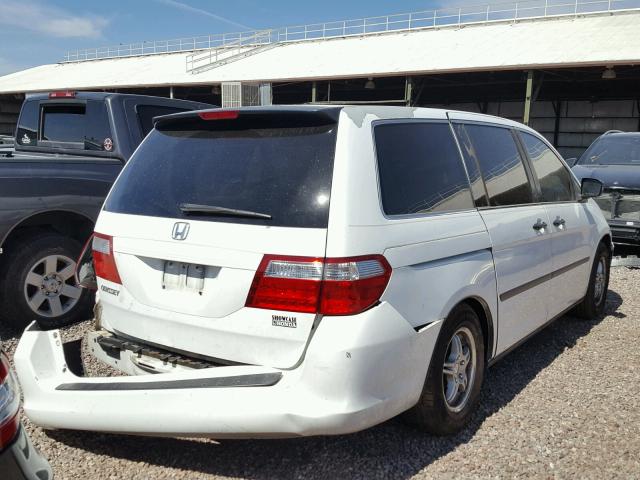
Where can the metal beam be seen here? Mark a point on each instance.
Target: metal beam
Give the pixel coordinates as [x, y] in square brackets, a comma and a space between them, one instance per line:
[527, 98]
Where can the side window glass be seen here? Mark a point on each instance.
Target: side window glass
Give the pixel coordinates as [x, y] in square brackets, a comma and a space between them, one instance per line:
[555, 180]
[473, 169]
[495, 151]
[420, 169]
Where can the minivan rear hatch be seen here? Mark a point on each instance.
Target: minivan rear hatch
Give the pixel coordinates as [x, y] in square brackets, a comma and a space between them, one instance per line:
[189, 221]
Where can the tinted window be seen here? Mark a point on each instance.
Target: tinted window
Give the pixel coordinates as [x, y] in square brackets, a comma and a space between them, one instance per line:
[554, 179]
[420, 169]
[473, 169]
[27, 132]
[63, 123]
[146, 113]
[495, 151]
[284, 172]
[84, 124]
[613, 149]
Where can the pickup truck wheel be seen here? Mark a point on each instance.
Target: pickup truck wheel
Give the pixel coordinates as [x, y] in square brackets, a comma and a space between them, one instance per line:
[452, 388]
[594, 301]
[39, 284]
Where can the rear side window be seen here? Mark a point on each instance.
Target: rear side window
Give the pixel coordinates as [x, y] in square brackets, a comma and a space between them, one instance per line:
[146, 114]
[27, 131]
[283, 171]
[494, 150]
[554, 179]
[420, 169]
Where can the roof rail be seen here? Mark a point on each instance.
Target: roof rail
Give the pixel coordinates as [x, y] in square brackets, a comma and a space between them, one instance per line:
[609, 132]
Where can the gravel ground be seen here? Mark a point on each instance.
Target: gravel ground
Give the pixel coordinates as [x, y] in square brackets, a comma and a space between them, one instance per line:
[564, 405]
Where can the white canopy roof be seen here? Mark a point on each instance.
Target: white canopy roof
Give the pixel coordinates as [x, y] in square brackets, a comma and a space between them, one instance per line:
[587, 40]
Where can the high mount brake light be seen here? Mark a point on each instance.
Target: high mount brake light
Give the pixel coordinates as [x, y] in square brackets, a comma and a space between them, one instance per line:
[63, 94]
[330, 286]
[103, 260]
[219, 115]
[9, 403]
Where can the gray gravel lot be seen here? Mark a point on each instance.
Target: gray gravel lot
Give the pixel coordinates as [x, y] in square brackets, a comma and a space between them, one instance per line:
[564, 405]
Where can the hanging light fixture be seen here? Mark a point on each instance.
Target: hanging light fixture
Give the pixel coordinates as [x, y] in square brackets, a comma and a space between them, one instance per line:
[609, 73]
[370, 84]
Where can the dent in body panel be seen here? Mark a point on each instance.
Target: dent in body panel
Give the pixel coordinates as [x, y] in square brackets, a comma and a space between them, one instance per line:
[427, 291]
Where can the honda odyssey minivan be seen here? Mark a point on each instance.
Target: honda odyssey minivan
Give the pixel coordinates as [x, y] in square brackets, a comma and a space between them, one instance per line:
[287, 271]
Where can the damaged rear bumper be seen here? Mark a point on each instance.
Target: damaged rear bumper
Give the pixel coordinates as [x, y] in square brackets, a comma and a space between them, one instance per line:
[335, 390]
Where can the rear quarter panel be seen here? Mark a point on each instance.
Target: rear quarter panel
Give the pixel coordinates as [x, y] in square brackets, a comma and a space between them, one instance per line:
[29, 187]
[438, 260]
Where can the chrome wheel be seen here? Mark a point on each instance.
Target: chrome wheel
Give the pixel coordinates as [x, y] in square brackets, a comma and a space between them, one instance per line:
[600, 281]
[459, 369]
[50, 288]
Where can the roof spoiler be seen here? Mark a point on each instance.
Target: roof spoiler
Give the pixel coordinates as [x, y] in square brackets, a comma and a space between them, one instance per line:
[274, 116]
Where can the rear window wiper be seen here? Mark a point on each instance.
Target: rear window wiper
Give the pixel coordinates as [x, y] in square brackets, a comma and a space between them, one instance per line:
[196, 209]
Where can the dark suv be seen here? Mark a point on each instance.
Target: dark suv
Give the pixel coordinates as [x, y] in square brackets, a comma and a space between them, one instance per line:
[614, 159]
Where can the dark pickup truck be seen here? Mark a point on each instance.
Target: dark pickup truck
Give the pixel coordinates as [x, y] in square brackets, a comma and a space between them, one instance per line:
[69, 149]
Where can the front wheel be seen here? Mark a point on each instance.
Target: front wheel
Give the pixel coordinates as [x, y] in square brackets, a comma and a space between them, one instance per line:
[592, 305]
[452, 387]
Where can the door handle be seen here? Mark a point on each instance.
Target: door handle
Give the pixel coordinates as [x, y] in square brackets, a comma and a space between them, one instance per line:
[558, 222]
[539, 225]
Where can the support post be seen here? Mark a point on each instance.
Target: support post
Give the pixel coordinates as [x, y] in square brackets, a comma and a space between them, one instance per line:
[171, 91]
[314, 92]
[527, 98]
[408, 91]
[557, 107]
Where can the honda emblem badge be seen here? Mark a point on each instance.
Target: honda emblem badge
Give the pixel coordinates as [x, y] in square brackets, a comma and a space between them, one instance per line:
[180, 231]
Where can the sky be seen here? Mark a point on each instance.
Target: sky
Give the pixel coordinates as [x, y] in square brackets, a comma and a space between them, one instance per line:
[37, 32]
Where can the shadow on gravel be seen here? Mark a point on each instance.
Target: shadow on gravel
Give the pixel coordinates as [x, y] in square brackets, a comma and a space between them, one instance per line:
[390, 450]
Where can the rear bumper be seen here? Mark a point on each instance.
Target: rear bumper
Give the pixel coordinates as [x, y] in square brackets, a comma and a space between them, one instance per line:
[347, 382]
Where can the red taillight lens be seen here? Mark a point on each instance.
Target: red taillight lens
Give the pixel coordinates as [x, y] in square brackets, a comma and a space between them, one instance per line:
[103, 260]
[330, 286]
[9, 404]
[219, 115]
[63, 94]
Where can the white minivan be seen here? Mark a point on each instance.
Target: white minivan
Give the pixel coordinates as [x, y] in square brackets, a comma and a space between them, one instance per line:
[286, 271]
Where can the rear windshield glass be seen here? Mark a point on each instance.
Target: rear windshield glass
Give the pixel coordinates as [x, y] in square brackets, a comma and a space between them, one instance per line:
[613, 150]
[284, 172]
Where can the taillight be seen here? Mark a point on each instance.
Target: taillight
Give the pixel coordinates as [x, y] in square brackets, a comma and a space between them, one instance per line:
[330, 286]
[63, 94]
[219, 115]
[9, 403]
[104, 262]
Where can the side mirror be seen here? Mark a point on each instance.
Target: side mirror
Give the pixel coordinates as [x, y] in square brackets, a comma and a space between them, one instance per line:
[571, 161]
[591, 188]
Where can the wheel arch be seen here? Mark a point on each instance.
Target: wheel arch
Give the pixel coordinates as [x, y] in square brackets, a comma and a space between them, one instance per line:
[66, 222]
[608, 242]
[481, 308]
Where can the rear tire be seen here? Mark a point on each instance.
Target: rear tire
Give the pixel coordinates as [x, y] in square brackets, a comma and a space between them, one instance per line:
[38, 282]
[593, 303]
[452, 388]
